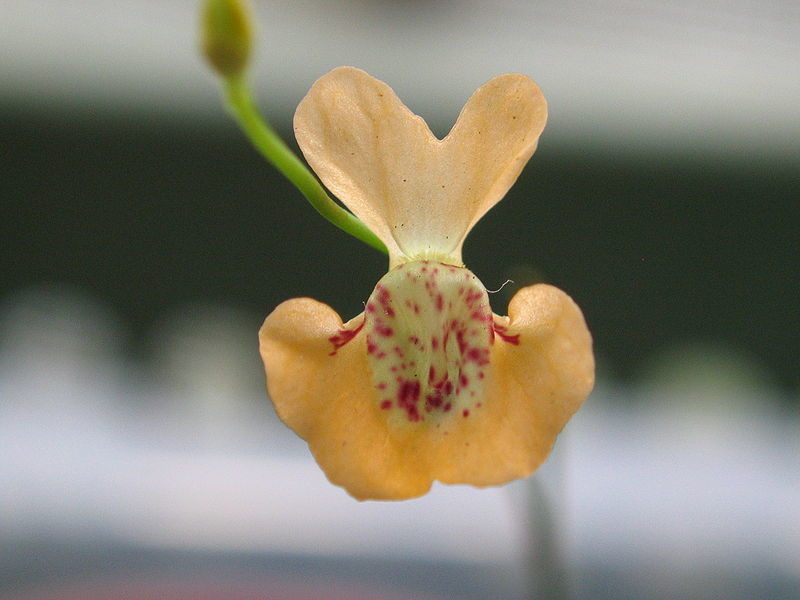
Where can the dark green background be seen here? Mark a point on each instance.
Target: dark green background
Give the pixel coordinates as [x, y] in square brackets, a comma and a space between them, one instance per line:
[656, 248]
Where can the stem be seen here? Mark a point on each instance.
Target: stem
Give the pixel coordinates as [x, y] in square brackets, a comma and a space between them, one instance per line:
[273, 148]
[549, 578]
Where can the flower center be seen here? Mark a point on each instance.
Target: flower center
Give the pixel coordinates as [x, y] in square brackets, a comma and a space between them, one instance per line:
[429, 329]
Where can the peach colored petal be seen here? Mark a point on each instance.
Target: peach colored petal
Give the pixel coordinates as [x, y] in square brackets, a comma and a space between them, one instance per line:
[319, 380]
[542, 368]
[420, 195]
[327, 399]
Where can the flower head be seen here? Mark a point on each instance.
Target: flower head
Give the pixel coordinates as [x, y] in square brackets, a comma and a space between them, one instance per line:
[427, 384]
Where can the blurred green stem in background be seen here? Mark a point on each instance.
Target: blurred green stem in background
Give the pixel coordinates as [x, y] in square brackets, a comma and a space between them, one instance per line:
[227, 40]
[548, 578]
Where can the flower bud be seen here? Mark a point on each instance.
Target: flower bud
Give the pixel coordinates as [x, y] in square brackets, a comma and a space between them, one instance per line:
[227, 35]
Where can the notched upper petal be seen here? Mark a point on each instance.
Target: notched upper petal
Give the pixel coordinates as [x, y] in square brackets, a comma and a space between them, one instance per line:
[420, 195]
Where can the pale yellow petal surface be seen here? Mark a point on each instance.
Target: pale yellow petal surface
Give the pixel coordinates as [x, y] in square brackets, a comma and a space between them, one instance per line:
[329, 401]
[533, 388]
[420, 195]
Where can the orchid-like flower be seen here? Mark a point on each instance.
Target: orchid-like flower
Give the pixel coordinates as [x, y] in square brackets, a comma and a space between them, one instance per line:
[427, 383]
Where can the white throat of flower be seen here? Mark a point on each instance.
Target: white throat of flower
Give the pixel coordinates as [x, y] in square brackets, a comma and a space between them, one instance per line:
[429, 331]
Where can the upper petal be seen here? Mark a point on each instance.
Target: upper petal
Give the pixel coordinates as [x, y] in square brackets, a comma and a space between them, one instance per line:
[420, 195]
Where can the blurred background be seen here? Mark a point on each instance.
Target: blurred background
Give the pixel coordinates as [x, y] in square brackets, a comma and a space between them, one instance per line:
[144, 242]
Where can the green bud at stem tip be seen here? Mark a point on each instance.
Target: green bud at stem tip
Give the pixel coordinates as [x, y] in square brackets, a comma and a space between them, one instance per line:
[227, 35]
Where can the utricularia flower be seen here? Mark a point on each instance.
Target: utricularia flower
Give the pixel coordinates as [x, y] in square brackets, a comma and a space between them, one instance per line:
[427, 383]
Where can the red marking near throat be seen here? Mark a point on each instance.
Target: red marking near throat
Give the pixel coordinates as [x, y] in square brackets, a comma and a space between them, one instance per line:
[385, 300]
[407, 398]
[501, 331]
[342, 337]
[478, 355]
[473, 297]
[462, 343]
[383, 330]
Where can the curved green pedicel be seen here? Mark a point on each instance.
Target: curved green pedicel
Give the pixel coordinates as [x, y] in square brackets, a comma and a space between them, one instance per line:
[226, 33]
[273, 148]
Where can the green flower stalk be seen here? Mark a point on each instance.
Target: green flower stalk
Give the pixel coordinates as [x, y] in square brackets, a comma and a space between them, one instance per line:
[227, 40]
